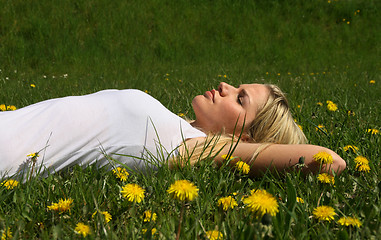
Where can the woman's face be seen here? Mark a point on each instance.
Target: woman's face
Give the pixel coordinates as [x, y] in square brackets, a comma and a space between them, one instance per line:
[226, 107]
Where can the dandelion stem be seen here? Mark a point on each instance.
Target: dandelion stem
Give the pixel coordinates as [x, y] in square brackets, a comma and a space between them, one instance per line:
[180, 221]
[33, 160]
[321, 195]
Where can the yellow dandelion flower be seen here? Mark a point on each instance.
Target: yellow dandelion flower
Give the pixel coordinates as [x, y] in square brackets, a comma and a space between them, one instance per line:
[242, 167]
[153, 231]
[225, 157]
[350, 221]
[133, 192]
[7, 234]
[326, 178]
[121, 173]
[300, 126]
[82, 229]
[373, 131]
[148, 216]
[3, 107]
[319, 104]
[331, 106]
[261, 202]
[363, 168]
[183, 190]
[299, 200]
[214, 235]
[11, 108]
[54, 207]
[362, 164]
[323, 157]
[33, 85]
[105, 214]
[350, 147]
[351, 113]
[181, 114]
[10, 183]
[227, 202]
[321, 127]
[63, 205]
[33, 155]
[360, 160]
[324, 213]
[372, 81]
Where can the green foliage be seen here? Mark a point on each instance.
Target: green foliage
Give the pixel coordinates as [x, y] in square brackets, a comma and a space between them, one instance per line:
[314, 50]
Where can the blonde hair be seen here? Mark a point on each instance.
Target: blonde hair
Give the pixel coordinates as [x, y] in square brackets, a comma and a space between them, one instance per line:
[273, 124]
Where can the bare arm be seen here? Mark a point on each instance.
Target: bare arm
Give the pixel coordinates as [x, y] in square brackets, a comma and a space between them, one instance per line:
[279, 156]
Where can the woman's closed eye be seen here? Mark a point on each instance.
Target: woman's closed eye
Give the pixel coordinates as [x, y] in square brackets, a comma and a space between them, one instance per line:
[239, 99]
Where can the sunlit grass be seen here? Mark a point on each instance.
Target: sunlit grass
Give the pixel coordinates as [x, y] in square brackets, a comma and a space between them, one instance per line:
[316, 51]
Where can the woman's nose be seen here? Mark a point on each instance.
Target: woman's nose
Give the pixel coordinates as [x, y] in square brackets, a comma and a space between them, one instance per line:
[224, 88]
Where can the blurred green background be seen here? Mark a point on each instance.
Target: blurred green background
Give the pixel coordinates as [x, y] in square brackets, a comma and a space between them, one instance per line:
[315, 50]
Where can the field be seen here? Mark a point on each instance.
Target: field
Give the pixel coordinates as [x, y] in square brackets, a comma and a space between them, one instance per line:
[316, 51]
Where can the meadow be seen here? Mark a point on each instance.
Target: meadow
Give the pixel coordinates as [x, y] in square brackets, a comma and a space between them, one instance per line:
[321, 53]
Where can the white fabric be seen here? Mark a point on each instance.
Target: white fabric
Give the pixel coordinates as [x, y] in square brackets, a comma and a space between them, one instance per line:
[77, 129]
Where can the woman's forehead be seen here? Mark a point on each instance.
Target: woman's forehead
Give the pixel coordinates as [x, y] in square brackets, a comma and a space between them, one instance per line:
[255, 88]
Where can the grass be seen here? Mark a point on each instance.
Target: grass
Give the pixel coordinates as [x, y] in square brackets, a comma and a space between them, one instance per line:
[176, 50]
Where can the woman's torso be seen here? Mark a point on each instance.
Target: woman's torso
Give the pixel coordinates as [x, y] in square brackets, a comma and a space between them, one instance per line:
[80, 129]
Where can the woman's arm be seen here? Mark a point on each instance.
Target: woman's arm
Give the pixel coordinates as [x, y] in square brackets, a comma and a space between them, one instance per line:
[278, 156]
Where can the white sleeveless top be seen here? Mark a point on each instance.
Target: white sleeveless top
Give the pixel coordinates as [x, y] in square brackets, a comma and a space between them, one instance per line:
[80, 130]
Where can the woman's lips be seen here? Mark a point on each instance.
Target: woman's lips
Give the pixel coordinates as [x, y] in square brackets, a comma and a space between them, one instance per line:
[210, 94]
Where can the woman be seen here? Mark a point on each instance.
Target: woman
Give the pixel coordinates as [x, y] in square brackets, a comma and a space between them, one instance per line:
[132, 128]
[270, 139]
